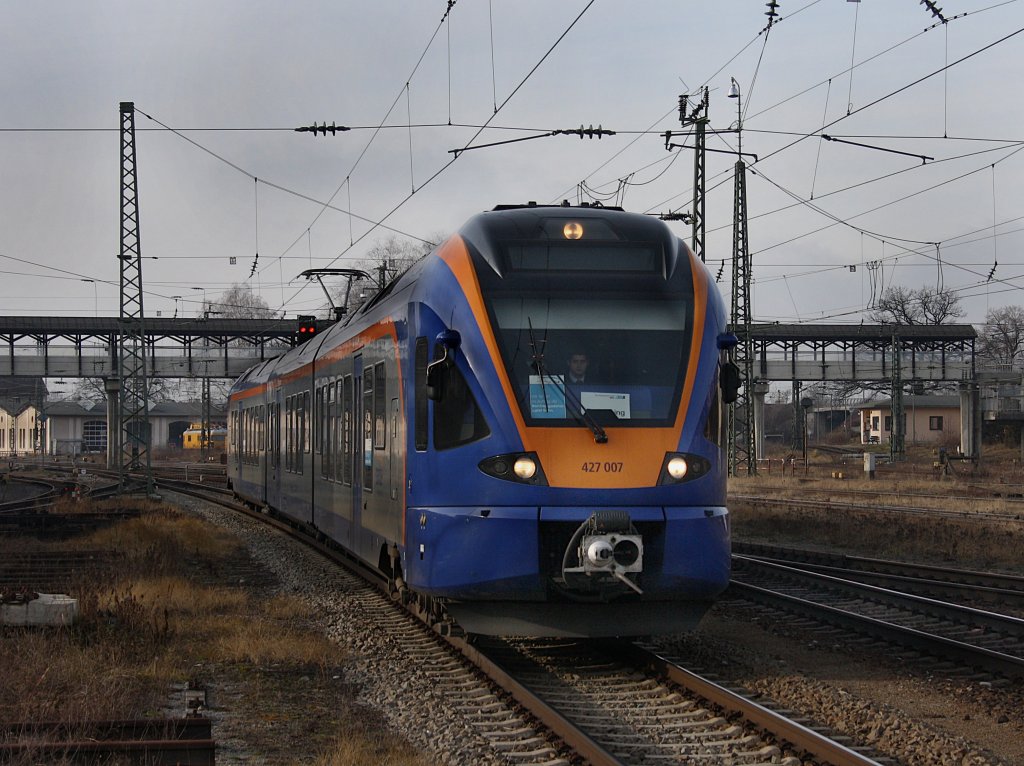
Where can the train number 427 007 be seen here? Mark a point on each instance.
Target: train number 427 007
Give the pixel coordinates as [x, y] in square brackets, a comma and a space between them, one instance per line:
[598, 467]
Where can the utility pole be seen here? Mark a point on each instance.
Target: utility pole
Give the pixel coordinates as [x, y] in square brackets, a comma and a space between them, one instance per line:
[133, 398]
[742, 456]
[698, 117]
[897, 435]
[205, 427]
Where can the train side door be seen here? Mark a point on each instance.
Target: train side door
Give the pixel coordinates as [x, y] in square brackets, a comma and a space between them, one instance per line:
[274, 449]
[358, 450]
[396, 450]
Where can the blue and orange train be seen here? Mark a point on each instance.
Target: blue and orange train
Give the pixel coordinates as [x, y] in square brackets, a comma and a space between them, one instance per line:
[437, 435]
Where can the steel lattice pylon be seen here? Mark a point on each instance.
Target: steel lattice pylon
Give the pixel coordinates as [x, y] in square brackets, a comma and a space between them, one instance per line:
[699, 119]
[897, 434]
[742, 457]
[133, 399]
[204, 432]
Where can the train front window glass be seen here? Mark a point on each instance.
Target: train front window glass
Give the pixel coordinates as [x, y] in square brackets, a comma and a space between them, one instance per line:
[621, 359]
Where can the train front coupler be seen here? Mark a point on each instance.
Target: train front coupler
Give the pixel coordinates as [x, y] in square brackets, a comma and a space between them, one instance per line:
[602, 553]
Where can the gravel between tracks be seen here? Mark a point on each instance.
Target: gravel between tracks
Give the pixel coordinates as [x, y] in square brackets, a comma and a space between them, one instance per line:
[914, 717]
[386, 677]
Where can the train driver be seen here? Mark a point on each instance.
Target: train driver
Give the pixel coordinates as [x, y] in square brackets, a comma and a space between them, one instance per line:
[577, 366]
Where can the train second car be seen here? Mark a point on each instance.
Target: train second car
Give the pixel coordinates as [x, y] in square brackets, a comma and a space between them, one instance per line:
[524, 431]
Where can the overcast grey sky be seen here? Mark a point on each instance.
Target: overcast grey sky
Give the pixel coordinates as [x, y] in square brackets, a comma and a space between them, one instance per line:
[218, 85]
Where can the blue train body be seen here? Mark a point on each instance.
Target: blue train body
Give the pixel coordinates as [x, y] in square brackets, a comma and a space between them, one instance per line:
[438, 435]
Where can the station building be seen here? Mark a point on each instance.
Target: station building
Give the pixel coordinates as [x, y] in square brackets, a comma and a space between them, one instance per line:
[929, 420]
[73, 428]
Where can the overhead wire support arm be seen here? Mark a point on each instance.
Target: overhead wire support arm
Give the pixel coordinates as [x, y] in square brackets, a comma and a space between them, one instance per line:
[582, 132]
[669, 135]
[924, 159]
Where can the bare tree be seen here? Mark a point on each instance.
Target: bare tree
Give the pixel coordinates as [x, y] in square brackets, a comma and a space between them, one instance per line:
[240, 302]
[925, 306]
[386, 259]
[92, 390]
[1001, 340]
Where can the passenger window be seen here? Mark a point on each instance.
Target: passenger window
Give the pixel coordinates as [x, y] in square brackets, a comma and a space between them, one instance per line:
[307, 422]
[320, 414]
[457, 418]
[367, 429]
[289, 433]
[380, 428]
[330, 442]
[346, 431]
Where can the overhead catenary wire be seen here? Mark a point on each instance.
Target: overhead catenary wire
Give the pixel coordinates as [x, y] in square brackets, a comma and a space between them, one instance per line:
[469, 143]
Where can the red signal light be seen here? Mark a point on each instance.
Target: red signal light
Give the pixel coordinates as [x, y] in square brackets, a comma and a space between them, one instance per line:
[306, 326]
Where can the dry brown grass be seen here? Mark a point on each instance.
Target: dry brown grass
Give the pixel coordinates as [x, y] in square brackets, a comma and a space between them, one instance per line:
[964, 542]
[151, 625]
[371, 748]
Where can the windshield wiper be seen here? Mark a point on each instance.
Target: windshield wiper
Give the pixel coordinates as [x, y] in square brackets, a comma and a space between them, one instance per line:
[579, 412]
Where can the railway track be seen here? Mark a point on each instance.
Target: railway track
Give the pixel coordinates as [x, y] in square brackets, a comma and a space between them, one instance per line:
[151, 741]
[557, 702]
[830, 506]
[1010, 495]
[964, 586]
[971, 638]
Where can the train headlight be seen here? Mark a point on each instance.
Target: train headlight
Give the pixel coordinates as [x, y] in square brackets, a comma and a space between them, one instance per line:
[521, 467]
[680, 467]
[677, 467]
[525, 467]
[573, 230]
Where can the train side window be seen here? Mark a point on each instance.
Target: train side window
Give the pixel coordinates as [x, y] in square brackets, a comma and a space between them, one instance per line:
[289, 434]
[270, 436]
[307, 422]
[300, 431]
[327, 471]
[320, 415]
[277, 434]
[261, 431]
[420, 401]
[367, 430]
[380, 427]
[346, 431]
[457, 418]
[334, 428]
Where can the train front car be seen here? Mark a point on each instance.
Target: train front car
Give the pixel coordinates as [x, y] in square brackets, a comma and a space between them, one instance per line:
[566, 477]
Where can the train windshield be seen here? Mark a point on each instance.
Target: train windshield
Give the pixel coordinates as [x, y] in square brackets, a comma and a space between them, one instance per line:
[621, 359]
